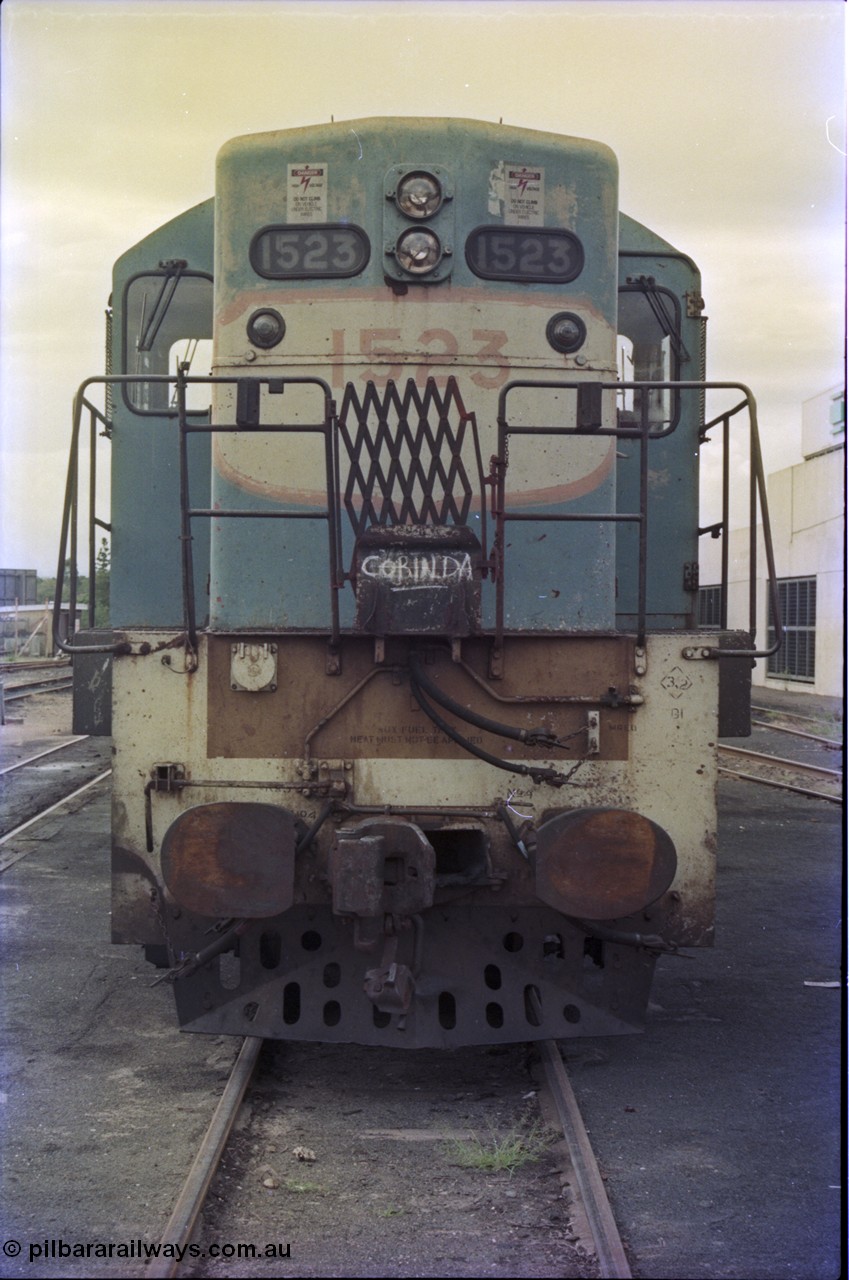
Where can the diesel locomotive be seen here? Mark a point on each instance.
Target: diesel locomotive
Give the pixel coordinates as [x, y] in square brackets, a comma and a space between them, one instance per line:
[414, 725]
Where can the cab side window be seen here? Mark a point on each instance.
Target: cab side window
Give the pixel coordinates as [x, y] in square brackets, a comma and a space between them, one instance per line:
[167, 320]
[649, 349]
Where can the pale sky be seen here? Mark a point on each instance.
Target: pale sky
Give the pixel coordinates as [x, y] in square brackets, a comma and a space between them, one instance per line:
[727, 116]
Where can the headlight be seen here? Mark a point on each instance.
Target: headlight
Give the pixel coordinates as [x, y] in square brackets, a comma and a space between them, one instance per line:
[419, 194]
[266, 328]
[418, 251]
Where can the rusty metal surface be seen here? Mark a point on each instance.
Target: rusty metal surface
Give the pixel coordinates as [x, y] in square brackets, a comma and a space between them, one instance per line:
[383, 721]
[487, 977]
[382, 867]
[231, 858]
[602, 864]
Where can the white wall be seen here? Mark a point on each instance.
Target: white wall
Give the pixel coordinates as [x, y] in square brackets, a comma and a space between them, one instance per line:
[806, 506]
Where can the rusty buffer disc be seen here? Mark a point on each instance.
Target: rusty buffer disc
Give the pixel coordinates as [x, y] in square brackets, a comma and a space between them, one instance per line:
[231, 859]
[600, 864]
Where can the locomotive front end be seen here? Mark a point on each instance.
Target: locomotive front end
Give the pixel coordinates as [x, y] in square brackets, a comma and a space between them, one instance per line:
[427, 763]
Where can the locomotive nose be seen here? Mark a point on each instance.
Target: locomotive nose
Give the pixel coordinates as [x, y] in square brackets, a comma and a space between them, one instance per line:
[600, 864]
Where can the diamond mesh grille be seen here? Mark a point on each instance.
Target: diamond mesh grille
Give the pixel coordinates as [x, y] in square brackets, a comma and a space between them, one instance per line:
[409, 455]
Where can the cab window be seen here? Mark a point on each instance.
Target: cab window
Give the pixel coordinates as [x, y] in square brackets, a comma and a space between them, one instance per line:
[167, 319]
[649, 349]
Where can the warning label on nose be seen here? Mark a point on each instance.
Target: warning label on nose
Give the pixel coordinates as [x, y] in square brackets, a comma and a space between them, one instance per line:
[307, 192]
[525, 196]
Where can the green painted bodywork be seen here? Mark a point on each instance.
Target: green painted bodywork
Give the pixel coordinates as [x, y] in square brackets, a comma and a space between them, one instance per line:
[146, 581]
[570, 586]
[581, 191]
[674, 461]
[251, 192]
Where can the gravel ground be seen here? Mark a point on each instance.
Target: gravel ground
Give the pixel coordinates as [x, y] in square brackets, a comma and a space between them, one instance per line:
[104, 1102]
[388, 1192]
[718, 1130]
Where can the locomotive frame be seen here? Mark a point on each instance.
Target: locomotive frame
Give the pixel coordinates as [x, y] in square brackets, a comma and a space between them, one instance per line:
[376, 785]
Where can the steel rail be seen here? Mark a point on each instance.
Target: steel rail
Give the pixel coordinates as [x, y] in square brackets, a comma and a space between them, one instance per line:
[781, 786]
[5, 863]
[19, 764]
[36, 664]
[797, 733]
[829, 775]
[612, 1262]
[784, 714]
[190, 1201]
[14, 692]
[835, 775]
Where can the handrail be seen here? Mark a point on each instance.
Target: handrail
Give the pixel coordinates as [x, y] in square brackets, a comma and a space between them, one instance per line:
[188, 513]
[644, 433]
[181, 380]
[69, 526]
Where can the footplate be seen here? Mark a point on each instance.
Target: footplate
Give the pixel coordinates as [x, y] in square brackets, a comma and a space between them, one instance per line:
[484, 979]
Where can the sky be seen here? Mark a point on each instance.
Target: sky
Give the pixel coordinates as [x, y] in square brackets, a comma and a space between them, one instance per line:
[727, 116]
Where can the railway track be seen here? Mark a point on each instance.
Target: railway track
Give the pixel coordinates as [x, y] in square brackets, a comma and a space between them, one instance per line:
[35, 786]
[189, 1204]
[589, 1186]
[589, 1205]
[804, 772]
[787, 775]
[56, 683]
[34, 664]
[22, 680]
[793, 722]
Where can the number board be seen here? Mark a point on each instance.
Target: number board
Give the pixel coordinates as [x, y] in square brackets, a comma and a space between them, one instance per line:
[309, 252]
[548, 255]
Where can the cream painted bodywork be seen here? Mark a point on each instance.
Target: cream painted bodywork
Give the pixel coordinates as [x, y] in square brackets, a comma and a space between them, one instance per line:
[363, 337]
[669, 775]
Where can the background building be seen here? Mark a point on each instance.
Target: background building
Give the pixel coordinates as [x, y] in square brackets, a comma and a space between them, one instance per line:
[26, 625]
[807, 516]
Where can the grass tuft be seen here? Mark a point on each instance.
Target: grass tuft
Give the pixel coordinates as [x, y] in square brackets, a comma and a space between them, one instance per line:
[502, 1154]
[296, 1185]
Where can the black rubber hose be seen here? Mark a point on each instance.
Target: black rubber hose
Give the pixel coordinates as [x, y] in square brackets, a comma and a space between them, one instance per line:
[550, 776]
[535, 736]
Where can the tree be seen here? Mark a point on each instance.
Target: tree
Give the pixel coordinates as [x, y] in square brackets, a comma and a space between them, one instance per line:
[46, 587]
[103, 563]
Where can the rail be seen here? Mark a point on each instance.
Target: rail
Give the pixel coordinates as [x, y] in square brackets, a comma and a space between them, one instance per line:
[774, 771]
[68, 540]
[190, 1201]
[610, 1251]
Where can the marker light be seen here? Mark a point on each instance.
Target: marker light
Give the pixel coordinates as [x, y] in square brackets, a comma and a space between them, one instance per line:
[419, 194]
[266, 328]
[566, 332]
[418, 251]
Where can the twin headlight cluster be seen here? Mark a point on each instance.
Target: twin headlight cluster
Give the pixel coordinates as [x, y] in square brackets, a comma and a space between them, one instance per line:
[418, 223]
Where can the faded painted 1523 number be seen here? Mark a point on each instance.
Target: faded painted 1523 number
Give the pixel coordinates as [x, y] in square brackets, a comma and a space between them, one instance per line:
[432, 347]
